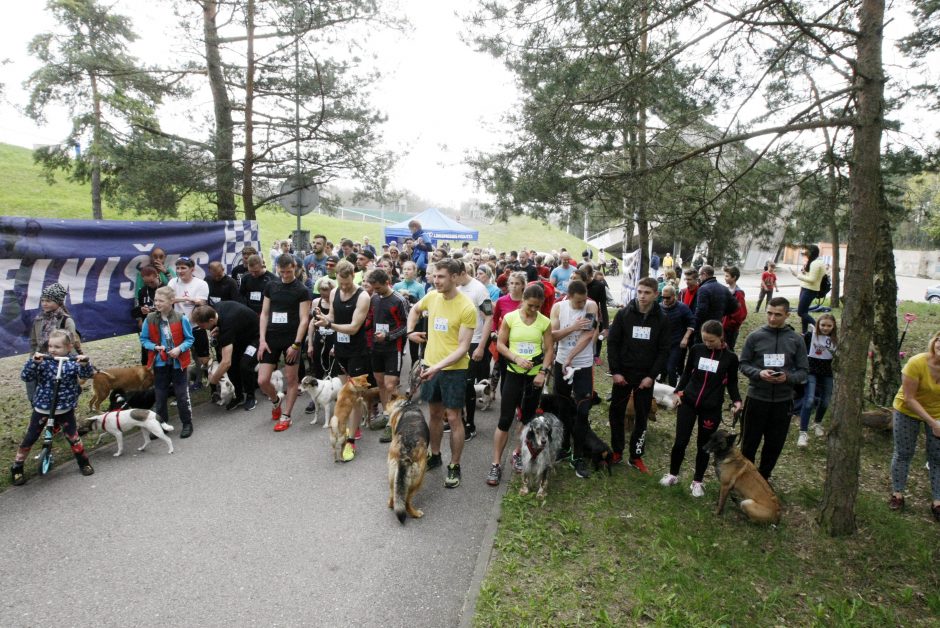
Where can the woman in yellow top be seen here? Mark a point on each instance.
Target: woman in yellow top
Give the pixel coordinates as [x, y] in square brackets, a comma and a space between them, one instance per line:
[810, 278]
[525, 341]
[917, 403]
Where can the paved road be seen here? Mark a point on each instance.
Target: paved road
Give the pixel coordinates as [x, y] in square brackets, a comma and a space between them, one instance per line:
[244, 526]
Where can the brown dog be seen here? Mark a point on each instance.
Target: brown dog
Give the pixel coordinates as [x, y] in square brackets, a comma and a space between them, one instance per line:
[127, 379]
[737, 473]
[631, 414]
[407, 456]
[349, 395]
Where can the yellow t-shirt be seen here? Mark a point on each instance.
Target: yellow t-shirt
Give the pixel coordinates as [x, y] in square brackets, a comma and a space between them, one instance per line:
[928, 391]
[445, 319]
[526, 340]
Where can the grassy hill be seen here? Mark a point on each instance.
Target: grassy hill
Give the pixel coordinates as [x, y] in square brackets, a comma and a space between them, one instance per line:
[25, 193]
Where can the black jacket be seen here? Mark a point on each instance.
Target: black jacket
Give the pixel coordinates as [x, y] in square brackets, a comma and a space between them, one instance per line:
[631, 355]
[712, 302]
[701, 386]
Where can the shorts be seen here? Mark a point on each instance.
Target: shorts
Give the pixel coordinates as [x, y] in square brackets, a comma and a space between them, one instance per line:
[448, 388]
[200, 343]
[277, 348]
[353, 365]
[387, 363]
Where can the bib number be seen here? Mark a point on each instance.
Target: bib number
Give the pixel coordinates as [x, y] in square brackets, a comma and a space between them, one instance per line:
[251, 351]
[710, 366]
[341, 337]
[254, 296]
[279, 318]
[774, 360]
[441, 324]
[381, 328]
[526, 348]
[641, 333]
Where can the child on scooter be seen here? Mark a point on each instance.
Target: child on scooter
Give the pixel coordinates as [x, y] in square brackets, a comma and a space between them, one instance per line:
[42, 370]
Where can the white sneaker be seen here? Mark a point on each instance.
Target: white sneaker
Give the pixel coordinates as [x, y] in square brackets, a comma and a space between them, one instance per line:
[698, 489]
[803, 440]
[668, 480]
[820, 431]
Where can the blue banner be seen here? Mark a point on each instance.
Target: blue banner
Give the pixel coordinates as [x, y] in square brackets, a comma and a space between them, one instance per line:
[98, 261]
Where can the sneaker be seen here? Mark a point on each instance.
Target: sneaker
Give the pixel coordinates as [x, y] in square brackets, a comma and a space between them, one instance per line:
[698, 489]
[281, 426]
[669, 480]
[453, 476]
[616, 458]
[637, 463]
[379, 422]
[349, 451]
[276, 411]
[17, 475]
[234, 403]
[311, 408]
[803, 440]
[581, 469]
[469, 432]
[434, 461]
[250, 403]
[820, 430]
[386, 436]
[187, 430]
[896, 502]
[494, 476]
[166, 427]
[86, 468]
[516, 461]
[446, 427]
[358, 435]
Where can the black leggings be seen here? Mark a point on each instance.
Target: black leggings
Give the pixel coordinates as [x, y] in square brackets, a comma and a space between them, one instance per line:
[518, 391]
[475, 372]
[708, 420]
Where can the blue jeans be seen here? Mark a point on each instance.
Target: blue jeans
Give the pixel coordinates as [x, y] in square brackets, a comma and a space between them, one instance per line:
[818, 389]
[802, 310]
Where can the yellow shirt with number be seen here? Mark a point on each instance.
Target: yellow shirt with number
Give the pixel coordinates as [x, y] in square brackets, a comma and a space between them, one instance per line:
[525, 340]
[446, 317]
[928, 391]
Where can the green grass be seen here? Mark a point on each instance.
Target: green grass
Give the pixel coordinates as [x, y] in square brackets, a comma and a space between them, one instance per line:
[26, 193]
[622, 550]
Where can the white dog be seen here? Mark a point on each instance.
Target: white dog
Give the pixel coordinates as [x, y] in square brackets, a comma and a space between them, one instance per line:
[120, 421]
[485, 394]
[226, 387]
[324, 393]
[277, 380]
[664, 395]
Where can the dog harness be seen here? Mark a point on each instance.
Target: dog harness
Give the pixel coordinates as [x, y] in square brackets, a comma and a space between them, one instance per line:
[117, 420]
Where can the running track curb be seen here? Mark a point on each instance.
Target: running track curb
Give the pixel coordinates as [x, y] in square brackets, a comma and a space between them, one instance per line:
[483, 558]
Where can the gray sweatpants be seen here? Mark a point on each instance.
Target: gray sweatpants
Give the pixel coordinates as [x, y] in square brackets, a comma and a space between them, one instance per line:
[905, 442]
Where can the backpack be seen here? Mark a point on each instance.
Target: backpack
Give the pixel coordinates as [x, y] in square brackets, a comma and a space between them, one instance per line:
[824, 286]
[78, 335]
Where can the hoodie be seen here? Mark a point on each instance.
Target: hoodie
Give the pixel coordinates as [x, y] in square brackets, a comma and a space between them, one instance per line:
[776, 348]
[707, 373]
[638, 344]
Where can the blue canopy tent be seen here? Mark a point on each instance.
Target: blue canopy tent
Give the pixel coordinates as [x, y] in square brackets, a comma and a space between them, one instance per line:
[436, 227]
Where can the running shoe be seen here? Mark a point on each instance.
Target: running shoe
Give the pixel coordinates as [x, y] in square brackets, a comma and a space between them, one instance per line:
[803, 440]
[187, 430]
[234, 403]
[358, 435]
[250, 403]
[616, 458]
[516, 461]
[349, 451]
[820, 430]
[446, 427]
[637, 463]
[386, 436]
[494, 476]
[17, 475]
[669, 480]
[453, 476]
[698, 489]
[311, 408]
[469, 432]
[581, 469]
[276, 411]
[281, 426]
[434, 461]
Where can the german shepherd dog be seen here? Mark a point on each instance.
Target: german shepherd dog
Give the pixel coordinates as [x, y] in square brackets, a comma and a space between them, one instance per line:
[595, 449]
[407, 456]
[739, 474]
[350, 395]
[541, 442]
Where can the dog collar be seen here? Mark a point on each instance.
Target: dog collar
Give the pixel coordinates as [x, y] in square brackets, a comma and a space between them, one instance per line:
[532, 450]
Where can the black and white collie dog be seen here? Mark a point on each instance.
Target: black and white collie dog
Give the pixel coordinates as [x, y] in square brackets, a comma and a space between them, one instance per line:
[541, 442]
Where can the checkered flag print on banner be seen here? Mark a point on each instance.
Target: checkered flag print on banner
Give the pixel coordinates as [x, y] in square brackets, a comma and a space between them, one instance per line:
[631, 275]
[238, 235]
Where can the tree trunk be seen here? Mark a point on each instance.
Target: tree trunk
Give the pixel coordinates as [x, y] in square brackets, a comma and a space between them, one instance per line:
[95, 151]
[642, 223]
[886, 367]
[835, 296]
[837, 511]
[223, 149]
[248, 201]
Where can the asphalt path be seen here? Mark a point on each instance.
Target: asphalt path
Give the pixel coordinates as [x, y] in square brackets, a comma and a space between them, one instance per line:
[245, 526]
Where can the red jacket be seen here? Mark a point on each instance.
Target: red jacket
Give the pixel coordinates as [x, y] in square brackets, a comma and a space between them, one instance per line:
[176, 330]
[733, 322]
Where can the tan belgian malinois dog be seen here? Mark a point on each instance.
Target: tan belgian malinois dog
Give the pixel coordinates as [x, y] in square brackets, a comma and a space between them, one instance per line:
[737, 473]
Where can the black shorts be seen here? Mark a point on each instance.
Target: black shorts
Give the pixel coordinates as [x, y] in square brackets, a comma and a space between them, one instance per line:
[277, 348]
[353, 365]
[200, 343]
[387, 363]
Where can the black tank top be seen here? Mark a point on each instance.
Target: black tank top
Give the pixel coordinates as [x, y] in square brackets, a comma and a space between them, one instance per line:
[348, 345]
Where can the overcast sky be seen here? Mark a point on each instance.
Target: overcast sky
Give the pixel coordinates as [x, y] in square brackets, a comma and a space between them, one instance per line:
[441, 98]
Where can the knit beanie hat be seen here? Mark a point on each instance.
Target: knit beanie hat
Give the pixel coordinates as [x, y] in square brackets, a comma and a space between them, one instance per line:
[55, 292]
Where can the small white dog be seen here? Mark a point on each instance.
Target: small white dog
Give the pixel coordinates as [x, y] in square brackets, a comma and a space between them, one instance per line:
[485, 394]
[324, 393]
[226, 387]
[277, 380]
[120, 421]
[664, 395]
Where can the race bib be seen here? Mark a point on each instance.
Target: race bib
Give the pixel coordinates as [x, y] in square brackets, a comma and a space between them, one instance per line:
[526, 348]
[570, 341]
[710, 366]
[254, 296]
[441, 324]
[641, 333]
[250, 351]
[341, 337]
[325, 332]
[214, 300]
[279, 318]
[381, 328]
[774, 360]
